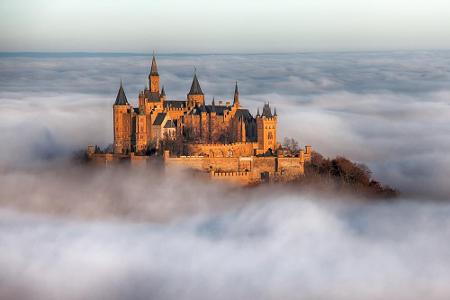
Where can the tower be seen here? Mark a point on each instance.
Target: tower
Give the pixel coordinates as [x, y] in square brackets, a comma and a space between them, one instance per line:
[236, 96]
[122, 123]
[266, 126]
[195, 95]
[153, 77]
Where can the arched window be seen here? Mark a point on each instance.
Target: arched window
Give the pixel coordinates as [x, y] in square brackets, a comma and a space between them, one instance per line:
[270, 135]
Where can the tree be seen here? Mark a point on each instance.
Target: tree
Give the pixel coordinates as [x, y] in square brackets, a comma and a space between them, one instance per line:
[290, 144]
[345, 175]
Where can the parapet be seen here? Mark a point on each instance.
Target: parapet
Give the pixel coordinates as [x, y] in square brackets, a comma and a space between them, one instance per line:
[228, 174]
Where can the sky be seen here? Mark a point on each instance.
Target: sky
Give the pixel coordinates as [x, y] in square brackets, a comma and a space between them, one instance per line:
[174, 26]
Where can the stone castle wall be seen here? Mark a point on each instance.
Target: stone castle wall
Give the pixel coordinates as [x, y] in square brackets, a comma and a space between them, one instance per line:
[224, 150]
[235, 169]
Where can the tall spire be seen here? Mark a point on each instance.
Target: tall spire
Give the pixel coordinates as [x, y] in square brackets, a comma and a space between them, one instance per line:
[153, 78]
[274, 111]
[236, 95]
[195, 87]
[213, 105]
[163, 92]
[154, 67]
[257, 112]
[121, 98]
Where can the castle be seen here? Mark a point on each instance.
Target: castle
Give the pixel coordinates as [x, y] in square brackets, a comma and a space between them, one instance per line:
[222, 139]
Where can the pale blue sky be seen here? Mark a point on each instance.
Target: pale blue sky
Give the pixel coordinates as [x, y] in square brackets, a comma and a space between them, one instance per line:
[223, 26]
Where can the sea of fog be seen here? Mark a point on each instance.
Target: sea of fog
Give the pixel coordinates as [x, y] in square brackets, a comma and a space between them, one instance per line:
[79, 233]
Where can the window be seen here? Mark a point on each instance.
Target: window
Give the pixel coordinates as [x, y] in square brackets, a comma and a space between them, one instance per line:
[270, 135]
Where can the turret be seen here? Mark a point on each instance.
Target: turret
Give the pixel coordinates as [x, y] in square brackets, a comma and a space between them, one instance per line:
[213, 106]
[122, 123]
[153, 77]
[195, 95]
[163, 94]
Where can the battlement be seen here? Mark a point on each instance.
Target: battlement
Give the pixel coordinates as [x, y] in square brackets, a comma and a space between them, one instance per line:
[172, 108]
[225, 174]
[274, 118]
[227, 145]
[240, 178]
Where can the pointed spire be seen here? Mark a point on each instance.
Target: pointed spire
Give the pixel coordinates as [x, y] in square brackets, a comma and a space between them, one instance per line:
[154, 67]
[121, 98]
[163, 92]
[204, 107]
[195, 87]
[274, 111]
[213, 105]
[257, 112]
[236, 94]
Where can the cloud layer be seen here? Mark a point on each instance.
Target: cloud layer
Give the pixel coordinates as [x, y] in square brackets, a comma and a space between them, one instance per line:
[386, 109]
[261, 244]
[71, 233]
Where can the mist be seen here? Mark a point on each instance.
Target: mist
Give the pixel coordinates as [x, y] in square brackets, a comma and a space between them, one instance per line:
[74, 232]
[122, 233]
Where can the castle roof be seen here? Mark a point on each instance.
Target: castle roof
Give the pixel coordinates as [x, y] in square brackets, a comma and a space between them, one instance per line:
[218, 109]
[195, 87]
[170, 124]
[154, 67]
[121, 99]
[152, 96]
[163, 92]
[175, 103]
[159, 118]
[244, 114]
[267, 112]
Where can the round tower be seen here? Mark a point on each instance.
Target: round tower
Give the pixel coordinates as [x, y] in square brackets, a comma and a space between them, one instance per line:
[122, 123]
[195, 95]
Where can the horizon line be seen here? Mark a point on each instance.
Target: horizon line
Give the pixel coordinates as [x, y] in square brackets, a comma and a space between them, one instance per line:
[149, 53]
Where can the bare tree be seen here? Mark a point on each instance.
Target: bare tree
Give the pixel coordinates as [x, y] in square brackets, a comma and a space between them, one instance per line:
[290, 144]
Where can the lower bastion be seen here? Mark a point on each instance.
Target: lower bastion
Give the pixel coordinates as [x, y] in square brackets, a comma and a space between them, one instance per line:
[230, 166]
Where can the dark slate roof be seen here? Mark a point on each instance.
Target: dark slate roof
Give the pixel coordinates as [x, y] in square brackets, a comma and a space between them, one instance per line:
[195, 87]
[244, 114]
[219, 109]
[175, 103]
[121, 99]
[159, 118]
[154, 67]
[163, 92]
[267, 112]
[152, 96]
[170, 124]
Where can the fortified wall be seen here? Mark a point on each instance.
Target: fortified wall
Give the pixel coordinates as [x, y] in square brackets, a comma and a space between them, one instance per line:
[224, 150]
[242, 170]
[245, 169]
